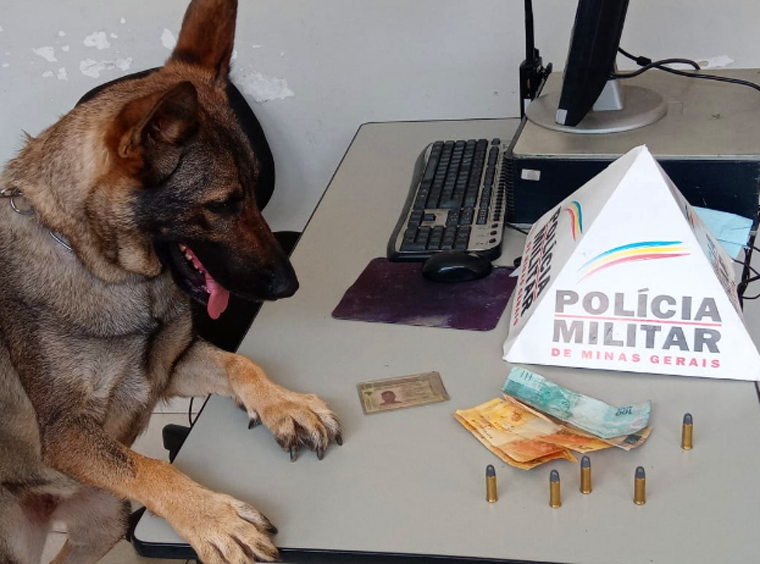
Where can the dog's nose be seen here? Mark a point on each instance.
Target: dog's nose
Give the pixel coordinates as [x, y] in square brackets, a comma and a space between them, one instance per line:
[283, 282]
[284, 288]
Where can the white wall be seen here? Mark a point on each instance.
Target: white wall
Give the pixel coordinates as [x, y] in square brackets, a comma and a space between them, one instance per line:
[346, 61]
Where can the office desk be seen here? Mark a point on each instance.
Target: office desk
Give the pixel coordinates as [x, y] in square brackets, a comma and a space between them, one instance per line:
[411, 482]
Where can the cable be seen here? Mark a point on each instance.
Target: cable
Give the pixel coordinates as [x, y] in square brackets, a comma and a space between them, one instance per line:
[713, 77]
[190, 412]
[754, 270]
[659, 65]
[646, 61]
[518, 229]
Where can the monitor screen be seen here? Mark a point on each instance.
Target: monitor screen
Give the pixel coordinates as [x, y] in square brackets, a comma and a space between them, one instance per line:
[591, 100]
[591, 58]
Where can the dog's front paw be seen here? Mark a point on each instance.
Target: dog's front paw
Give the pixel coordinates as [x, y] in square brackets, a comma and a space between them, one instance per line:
[227, 531]
[298, 420]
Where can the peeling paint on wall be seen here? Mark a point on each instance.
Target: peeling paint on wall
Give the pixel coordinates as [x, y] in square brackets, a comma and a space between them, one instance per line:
[167, 39]
[91, 68]
[262, 88]
[47, 53]
[97, 40]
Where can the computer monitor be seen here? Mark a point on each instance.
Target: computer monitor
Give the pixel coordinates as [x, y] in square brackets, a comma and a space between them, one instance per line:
[591, 101]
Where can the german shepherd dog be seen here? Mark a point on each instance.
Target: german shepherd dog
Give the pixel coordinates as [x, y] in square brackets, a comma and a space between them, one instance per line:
[138, 200]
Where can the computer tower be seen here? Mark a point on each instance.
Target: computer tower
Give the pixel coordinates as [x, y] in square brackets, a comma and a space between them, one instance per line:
[708, 143]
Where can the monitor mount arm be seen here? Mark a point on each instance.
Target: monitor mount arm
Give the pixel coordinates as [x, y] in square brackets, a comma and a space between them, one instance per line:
[533, 74]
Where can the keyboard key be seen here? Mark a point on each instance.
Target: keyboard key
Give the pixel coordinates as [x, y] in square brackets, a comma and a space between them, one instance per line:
[419, 202]
[466, 216]
[462, 238]
[410, 235]
[420, 242]
[433, 198]
[452, 202]
[432, 166]
[452, 218]
[436, 237]
[415, 218]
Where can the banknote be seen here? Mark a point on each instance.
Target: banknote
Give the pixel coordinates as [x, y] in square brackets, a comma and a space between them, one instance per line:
[402, 392]
[513, 448]
[628, 442]
[584, 412]
[625, 442]
[525, 438]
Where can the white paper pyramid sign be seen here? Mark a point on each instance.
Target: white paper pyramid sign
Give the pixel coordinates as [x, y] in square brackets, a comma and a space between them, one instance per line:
[623, 275]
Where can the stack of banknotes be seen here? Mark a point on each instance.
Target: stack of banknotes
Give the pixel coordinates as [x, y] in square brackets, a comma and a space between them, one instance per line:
[537, 421]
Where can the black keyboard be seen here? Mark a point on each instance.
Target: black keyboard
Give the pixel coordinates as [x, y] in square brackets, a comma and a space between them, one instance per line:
[456, 201]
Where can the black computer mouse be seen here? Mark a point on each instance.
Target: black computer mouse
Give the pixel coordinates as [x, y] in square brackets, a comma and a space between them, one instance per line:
[456, 266]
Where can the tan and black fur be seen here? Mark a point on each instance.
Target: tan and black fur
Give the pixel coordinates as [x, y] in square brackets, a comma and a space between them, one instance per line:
[92, 338]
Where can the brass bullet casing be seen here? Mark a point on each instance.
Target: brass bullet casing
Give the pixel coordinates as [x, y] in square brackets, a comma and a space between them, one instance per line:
[640, 486]
[585, 475]
[492, 495]
[555, 496]
[687, 433]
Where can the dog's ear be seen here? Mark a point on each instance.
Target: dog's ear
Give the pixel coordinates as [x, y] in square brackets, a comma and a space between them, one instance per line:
[208, 35]
[150, 131]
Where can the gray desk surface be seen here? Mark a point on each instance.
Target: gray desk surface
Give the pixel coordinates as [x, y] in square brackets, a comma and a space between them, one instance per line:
[412, 481]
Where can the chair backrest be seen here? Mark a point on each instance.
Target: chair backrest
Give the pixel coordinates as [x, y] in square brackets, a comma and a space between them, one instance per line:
[248, 122]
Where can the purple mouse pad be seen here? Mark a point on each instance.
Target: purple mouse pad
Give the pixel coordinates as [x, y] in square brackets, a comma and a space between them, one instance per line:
[396, 292]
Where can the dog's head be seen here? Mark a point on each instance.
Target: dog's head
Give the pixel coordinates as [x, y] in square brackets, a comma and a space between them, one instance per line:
[182, 174]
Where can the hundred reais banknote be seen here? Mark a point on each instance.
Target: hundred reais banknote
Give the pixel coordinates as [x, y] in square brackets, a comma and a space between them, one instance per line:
[580, 411]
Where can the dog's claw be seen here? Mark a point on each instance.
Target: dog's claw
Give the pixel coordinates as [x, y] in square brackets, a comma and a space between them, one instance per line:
[254, 420]
[339, 439]
[320, 453]
[294, 453]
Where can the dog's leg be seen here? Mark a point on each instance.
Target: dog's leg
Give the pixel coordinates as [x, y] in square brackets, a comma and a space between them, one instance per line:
[95, 521]
[295, 419]
[220, 529]
[22, 536]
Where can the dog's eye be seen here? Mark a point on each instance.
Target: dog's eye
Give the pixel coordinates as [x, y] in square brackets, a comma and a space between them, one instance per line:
[229, 206]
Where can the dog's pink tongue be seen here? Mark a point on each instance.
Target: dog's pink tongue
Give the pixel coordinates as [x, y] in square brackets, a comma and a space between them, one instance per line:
[218, 297]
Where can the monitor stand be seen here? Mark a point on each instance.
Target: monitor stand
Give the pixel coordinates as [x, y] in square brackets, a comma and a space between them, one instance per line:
[707, 142]
[620, 107]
